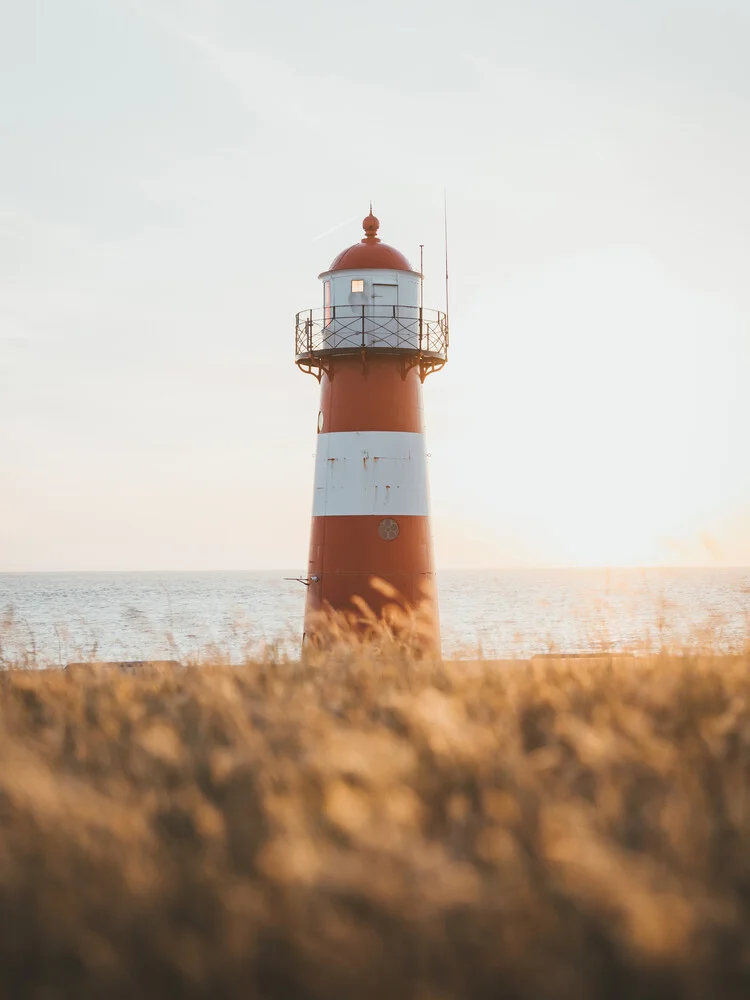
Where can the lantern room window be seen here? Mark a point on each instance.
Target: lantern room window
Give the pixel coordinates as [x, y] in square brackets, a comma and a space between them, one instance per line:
[358, 285]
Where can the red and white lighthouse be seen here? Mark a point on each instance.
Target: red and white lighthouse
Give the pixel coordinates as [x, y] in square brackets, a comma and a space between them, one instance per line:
[370, 346]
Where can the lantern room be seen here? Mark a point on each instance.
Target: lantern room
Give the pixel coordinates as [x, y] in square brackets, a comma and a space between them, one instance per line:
[372, 275]
[372, 302]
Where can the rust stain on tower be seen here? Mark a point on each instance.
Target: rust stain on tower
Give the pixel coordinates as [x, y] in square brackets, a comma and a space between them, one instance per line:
[371, 346]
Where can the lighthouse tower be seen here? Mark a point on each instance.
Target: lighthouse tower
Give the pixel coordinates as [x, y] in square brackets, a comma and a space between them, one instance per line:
[371, 346]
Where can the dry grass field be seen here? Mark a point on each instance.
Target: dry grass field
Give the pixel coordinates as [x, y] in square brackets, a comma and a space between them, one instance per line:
[365, 825]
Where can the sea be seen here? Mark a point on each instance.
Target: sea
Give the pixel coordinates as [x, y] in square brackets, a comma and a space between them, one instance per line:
[56, 618]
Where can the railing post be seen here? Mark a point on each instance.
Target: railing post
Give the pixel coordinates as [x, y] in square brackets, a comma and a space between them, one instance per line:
[420, 328]
[363, 325]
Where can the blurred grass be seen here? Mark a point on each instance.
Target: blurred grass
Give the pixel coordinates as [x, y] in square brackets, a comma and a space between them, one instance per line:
[364, 824]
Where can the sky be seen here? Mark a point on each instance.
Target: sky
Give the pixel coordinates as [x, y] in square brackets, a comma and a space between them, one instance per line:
[174, 174]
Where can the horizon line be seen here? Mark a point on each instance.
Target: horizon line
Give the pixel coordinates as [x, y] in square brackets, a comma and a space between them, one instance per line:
[444, 569]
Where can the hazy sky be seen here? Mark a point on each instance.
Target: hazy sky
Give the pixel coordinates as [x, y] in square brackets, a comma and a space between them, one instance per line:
[171, 171]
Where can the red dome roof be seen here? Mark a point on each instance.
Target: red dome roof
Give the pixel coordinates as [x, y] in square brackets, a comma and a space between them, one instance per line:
[370, 252]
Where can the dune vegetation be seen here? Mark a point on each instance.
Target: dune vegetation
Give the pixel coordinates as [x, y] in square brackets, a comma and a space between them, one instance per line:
[363, 823]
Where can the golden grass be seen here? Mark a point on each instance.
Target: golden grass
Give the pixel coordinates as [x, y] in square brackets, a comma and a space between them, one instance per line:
[362, 824]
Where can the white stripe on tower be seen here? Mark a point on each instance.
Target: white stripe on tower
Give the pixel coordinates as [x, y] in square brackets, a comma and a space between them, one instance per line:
[370, 472]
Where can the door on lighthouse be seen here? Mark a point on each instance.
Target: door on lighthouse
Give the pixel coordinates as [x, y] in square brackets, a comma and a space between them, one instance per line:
[385, 315]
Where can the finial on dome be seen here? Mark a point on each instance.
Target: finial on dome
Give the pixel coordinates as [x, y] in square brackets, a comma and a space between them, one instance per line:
[371, 226]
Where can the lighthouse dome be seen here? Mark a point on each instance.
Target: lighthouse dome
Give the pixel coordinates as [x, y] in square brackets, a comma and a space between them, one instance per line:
[370, 253]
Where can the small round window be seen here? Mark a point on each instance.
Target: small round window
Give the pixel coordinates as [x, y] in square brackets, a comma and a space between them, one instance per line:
[388, 529]
[320, 421]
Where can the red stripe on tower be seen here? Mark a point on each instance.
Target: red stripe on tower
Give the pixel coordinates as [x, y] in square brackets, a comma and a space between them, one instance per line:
[371, 347]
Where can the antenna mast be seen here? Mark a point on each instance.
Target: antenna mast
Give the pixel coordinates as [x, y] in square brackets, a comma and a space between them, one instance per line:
[421, 275]
[445, 237]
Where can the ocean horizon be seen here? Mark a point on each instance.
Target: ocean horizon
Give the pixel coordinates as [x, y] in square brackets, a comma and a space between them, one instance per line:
[56, 617]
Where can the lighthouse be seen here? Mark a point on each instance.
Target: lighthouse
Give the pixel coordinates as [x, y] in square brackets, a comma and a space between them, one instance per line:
[370, 345]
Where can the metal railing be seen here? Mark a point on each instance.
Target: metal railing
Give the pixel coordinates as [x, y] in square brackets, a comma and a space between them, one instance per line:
[409, 330]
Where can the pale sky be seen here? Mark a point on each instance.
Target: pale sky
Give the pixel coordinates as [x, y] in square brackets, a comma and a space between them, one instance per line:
[171, 176]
